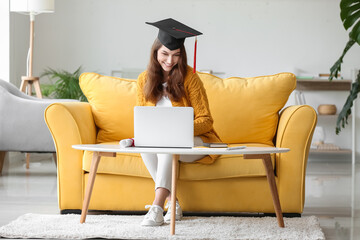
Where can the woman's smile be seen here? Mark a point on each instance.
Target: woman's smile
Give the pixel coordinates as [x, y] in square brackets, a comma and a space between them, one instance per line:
[168, 58]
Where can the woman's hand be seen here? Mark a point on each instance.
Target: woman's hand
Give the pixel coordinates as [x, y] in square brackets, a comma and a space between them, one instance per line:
[129, 142]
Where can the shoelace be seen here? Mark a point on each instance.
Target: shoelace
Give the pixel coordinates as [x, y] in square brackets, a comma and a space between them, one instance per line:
[149, 206]
[150, 214]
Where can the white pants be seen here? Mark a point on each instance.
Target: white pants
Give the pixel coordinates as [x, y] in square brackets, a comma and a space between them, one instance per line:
[160, 165]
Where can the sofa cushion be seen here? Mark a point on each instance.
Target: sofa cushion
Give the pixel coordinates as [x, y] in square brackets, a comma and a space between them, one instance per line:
[226, 166]
[246, 109]
[112, 102]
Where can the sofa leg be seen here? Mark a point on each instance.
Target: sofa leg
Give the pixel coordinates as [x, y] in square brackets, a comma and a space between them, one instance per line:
[2, 159]
[27, 160]
[55, 160]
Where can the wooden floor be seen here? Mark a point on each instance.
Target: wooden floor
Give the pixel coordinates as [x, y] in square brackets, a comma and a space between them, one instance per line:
[328, 193]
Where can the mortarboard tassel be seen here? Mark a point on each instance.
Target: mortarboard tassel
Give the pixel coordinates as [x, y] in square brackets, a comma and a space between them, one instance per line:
[194, 69]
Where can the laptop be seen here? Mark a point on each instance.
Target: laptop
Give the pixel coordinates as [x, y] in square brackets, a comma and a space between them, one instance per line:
[164, 127]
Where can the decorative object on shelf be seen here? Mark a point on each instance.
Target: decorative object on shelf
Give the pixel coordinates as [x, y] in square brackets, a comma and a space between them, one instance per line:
[318, 137]
[210, 71]
[327, 75]
[303, 74]
[318, 142]
[31, 8]
[350, 17]
[327, 109]
[299, 98]
[66, 85]
[328, 146]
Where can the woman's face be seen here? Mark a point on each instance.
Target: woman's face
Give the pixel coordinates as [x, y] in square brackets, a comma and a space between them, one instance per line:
[168, 58]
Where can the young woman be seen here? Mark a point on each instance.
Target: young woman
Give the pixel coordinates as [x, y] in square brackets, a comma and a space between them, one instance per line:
[170, 82]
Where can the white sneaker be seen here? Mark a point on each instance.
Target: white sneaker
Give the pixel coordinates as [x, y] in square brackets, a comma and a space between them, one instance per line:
[178, 213]
[154, 217]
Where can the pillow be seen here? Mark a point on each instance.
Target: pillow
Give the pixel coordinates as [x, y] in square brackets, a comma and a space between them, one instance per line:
[112, 102]
[246, 110]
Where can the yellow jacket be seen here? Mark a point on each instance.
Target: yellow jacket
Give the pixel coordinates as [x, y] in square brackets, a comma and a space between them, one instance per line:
[195, 96]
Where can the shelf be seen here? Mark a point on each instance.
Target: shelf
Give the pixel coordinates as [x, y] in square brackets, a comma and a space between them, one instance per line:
[323, 151]
[327, 115]
[323, 85]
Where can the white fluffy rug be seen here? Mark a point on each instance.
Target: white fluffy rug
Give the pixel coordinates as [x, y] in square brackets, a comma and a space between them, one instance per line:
[128, 227]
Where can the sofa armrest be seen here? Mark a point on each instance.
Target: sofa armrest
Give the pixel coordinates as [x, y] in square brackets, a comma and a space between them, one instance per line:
[70, 123]
[16, 115]
[295, 131]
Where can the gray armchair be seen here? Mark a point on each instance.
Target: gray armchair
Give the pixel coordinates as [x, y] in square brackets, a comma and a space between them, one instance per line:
[22, 124]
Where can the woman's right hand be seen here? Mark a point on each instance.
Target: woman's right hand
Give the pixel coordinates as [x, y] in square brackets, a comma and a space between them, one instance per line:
[129, 142]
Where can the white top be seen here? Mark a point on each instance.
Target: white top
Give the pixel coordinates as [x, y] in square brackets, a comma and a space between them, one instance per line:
[164, 101]
[190, 151]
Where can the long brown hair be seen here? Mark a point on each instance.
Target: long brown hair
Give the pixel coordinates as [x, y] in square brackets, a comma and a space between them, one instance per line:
[153, 89]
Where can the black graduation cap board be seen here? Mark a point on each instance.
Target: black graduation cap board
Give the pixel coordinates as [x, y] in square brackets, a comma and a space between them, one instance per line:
[172, 34]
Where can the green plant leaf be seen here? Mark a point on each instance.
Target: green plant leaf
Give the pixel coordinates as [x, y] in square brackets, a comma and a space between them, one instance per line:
[355, 33]
[47, 89]
[350, 14]
[336, 68]
[347, 8]
[345, 112]
[67, 83]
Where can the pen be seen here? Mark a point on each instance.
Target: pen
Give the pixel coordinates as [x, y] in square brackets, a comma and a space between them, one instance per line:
[236, 148]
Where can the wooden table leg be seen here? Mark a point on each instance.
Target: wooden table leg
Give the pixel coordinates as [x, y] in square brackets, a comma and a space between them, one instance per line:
[175, 163]
[93, 169]
[266, 158]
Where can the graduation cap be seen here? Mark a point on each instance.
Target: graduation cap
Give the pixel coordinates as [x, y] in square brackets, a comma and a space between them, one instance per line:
[172, 34]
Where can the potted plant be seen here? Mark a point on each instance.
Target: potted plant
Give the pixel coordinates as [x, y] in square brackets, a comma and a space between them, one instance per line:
[66, 84]
[350, 16]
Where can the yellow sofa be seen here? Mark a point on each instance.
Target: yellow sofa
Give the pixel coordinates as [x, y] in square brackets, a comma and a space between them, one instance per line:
[246, 111]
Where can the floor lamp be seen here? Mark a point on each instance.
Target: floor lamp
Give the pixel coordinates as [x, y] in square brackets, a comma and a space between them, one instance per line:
[31, 8]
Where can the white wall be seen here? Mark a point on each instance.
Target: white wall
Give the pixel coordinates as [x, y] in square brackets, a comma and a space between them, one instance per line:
[241, 38]
[4, 41]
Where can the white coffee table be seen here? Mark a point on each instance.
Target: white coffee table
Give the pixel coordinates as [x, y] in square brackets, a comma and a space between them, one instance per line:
[263, 153]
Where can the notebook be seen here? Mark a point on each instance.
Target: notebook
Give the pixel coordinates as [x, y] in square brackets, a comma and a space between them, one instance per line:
[164, 127]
